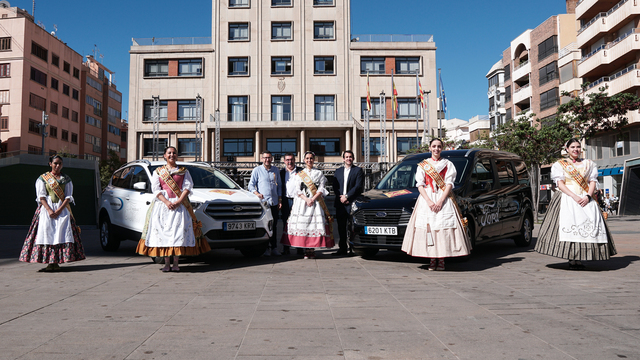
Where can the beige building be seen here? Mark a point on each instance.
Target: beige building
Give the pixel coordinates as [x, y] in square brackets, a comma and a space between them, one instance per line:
[40, 74]
[283, 75]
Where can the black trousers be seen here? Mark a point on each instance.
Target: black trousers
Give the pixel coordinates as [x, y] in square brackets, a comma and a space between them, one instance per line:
[273, 240]
[285, 212]
[342, 216]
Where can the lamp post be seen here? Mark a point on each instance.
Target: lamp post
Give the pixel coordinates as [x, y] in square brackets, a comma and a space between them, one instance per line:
[383, 127]
[426, 125]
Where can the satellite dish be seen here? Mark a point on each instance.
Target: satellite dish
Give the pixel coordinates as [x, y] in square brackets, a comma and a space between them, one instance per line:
[5, 4]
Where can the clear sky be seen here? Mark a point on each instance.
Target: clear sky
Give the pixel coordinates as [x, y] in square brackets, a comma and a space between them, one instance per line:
[470, 34]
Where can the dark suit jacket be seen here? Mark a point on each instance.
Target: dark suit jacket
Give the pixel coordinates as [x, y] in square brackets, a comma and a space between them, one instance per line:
[285, 204]
[355, 185]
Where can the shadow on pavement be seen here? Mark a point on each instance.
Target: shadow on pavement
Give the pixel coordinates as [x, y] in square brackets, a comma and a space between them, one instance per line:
[615, 263]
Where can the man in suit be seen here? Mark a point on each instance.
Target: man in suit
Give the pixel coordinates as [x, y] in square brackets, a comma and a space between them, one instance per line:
[348, 184]
[289, 171]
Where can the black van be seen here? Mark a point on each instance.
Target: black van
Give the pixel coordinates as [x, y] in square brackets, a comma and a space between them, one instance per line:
[492, 189]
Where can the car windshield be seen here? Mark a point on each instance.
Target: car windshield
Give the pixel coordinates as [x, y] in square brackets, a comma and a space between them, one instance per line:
[403, 175]
[207, 178]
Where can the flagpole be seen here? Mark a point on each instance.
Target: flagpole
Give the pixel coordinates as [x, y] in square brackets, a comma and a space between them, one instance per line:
[417, 107]
[393, 116]
[441, 104]
[426, 124]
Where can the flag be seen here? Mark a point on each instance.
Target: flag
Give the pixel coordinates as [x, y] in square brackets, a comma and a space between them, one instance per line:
[420, 92]
[394, 97]
[368, 94]
[442, 97]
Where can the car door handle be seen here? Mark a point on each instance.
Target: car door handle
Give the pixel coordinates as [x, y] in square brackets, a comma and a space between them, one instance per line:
[127, 198]
[148, 202]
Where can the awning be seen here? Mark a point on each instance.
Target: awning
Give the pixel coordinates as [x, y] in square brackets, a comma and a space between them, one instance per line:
[611, 171]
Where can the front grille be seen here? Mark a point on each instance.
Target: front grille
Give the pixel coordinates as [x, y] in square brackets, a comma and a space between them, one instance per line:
[227, 212]
[214, 235]
[393, 218]
[379, 240]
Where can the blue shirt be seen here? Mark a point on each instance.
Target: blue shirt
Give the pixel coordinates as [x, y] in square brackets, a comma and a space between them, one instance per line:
[267, 183]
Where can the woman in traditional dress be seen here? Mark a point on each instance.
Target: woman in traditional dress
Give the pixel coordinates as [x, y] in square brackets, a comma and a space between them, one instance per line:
[170, 222]
[53, 237]
[573, 227]
[309, 225]
[436, 229]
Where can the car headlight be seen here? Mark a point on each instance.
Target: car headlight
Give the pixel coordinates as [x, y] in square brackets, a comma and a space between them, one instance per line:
[195, 204]
[265, 205]
[354, 207]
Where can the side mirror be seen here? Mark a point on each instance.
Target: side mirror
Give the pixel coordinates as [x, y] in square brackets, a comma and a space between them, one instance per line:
[140, 185]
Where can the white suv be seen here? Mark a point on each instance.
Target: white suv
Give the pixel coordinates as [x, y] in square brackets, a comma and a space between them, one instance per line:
[231, 217]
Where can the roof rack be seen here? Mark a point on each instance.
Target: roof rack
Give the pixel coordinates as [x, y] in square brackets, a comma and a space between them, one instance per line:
[138, 161]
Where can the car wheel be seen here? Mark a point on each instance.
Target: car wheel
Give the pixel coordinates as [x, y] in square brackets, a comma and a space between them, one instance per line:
[157, 259]
[526, 232]
[254, 251]
[366, 252]
[471, 234]
[108, 240]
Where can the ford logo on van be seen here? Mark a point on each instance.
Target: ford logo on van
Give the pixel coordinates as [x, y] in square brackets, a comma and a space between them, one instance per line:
[237, 208]
[381, 214]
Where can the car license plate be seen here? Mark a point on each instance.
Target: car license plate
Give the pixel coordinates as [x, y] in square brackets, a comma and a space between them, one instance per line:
[238, 226]
[381, 230]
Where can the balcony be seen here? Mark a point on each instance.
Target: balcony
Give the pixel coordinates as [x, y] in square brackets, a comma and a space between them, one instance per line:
[522, 94]
[619, 82]
[171, 41]
[605, 22]
[391, 38]
[521, 71]
[606, 54]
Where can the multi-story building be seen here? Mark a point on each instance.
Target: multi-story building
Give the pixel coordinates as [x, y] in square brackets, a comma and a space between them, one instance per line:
[496, 95]
[280, 75]
[609, 42]
[40, 74]
[101, 111]
[530, 65]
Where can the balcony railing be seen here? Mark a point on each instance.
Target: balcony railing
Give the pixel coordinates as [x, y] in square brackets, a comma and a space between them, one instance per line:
[521, 88]
[391, 38]
[171, 41]
[97, 148]
[521, 65]
[612, 77]
[266, 117]
[567, 49]
[611, 44]
[602, 15]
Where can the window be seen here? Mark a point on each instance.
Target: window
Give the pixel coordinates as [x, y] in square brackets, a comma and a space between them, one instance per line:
[113, 146]
[76, 72]
[115, 96]
[521, 170]
[281, 31]
[123, 135]
[74, 116]
[375, 107]
[187, 147]
[5, 70]
[53, 108]
[374, 146]
[65, 135]
[38, 76]
[280, 2]
[281, 108]
[5, 43]
[148, 146]
[238, 3]
[187, 110]
[325, 147]
[93, 121]
[54, 83]
[493, 80]
[237, 147]
[74, 138]
[66, 67]
[549, 99]
[324, 107]
[507, 115]
[34, 126]
[407, 65]
[281, 65]
[97, 105]
[238, 66]
[37, 102]
[238, 108]
[621, 145]
[507, 94]
[93, 140]
[94, 84]
[567, 72]
[281, 146]
[190, 67]
[39, 51]
[322, 2]
[156, 68]
[75, 94]
[4, 123]
[148, 110]
[506, 176]
[548, 47]
[548, 72]
[404, 144]
[114, 115]
[55, 60]
[34, 150]
[324, 65]
[372, 65]
[507, 72]
[4, 97]
[65, 112]
[65, 89]
[408, 108]
[482, 176]
[238, 31]
[114, 130]
[323, 30]
[53, 132]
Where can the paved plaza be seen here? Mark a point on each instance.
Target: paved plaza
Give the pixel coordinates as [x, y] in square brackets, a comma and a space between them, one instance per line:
[503, 303]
